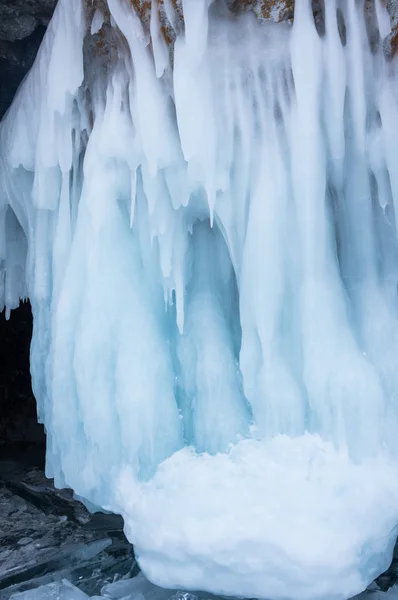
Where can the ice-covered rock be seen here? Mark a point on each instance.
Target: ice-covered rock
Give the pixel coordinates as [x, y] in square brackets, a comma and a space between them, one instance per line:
[391, 594]
[58, 590]
[209, 243]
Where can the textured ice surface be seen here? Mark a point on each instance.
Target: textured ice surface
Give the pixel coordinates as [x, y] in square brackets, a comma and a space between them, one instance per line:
[312, 525]
[136, 586]
[139, 588]
[62, 590]
[210, 249]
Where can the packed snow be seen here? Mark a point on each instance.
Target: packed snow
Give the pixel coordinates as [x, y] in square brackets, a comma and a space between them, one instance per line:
[206, 232]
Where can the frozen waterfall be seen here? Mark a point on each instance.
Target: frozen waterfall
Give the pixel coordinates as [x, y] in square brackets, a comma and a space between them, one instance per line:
[205, 227]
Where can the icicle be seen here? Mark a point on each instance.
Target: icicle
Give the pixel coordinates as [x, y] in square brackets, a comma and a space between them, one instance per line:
[133, 184]
[97, 22]
[160, 50]
[383, 19]
[196, 28]
[335, 72]
[171, 13]
[355, 73]
[63, 236]
[389, 117]
[126, 18]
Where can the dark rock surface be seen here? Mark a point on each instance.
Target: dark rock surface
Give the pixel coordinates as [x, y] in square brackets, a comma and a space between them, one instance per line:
[20, 18]
[46, 535]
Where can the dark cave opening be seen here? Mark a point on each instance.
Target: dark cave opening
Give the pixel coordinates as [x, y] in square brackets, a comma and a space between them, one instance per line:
[21, 436]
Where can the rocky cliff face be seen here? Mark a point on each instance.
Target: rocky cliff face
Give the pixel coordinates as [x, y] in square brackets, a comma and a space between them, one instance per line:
[20, 18]
[391, 42]
[22, 26]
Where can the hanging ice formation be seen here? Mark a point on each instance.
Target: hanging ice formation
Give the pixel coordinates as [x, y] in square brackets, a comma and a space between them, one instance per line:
[208, 240]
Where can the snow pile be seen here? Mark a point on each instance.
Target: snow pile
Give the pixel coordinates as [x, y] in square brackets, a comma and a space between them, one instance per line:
[210, 248]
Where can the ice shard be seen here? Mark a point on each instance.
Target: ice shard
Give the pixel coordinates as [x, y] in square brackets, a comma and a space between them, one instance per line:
[201, 208]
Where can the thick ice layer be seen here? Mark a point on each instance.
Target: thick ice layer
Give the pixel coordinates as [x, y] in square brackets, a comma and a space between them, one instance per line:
[210, 246]
[278, 519]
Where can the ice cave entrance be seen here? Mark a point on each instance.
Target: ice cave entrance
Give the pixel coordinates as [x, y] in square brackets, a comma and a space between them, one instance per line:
[201, 208]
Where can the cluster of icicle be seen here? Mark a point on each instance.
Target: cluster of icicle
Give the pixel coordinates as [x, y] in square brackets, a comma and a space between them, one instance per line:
[208, 240]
